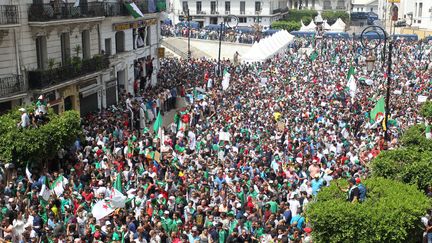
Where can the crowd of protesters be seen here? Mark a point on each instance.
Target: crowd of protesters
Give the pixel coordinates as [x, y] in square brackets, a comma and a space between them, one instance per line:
[210, 34]
[239, 163]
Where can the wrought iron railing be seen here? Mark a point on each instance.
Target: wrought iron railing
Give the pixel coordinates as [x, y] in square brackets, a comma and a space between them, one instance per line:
[11, 85]
[115, 9]
[39, 79]
[60, 10]
[8, 14]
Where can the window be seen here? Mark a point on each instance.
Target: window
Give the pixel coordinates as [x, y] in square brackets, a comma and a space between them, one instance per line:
[415, 9]
[227, 6]
[148, 36]
[242, 20]
[420, 10]
[257, 6]
[227, 19]
[41, 52]
[198, 7]
[65, 48]
[242, 7]
[108, 46]
[120, 39]
[85, 39]
[213, 20]
[185, 6]
[213, 7]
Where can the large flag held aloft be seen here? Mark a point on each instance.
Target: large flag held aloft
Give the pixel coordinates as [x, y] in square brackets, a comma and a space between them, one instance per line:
[101, 209]
[134, 10]
[378, 111]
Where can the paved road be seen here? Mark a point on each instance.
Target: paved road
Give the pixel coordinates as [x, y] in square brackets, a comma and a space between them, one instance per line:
[208, 48]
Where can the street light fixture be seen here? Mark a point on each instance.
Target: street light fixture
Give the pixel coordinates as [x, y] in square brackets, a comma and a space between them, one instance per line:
[370, 62]
[223, 26]
[371, 46]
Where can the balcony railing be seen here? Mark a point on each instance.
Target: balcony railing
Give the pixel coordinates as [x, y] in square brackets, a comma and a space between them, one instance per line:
[39, 79]
[280, 10]
[8, 14]
[115, 9]
[11, 85]
[60, 11]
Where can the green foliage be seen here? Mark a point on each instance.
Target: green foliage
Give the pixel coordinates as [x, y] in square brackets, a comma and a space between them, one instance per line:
[332, 16]
[390, 213]
[410, 163]
[37, 144]
[426, 109]
[297, 15]
[286, 25]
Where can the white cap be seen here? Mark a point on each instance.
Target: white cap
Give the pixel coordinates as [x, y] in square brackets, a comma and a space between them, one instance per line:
[22, 109]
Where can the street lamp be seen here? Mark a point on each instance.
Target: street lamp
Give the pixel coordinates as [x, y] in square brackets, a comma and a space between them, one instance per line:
[370, 62]
[189, 32]
[382, 36]
[222, 30]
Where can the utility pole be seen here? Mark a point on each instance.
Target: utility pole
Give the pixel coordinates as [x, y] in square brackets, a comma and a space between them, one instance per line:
[189, 32]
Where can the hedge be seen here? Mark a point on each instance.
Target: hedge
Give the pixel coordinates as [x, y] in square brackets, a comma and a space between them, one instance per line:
[286, 25]
[390, 213]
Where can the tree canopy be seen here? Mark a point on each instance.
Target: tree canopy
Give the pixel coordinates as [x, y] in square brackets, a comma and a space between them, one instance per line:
[20, 146]
[390, 213]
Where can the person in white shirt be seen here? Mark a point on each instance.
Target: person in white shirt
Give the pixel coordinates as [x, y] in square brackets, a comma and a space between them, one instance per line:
[294, 204]
[25, 119]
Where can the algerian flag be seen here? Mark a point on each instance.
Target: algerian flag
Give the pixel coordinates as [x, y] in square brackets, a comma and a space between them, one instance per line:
[352, 85]
[378, 111]
[102, 209]
[117, 183]
[225, 80]
[57, 186]
[313, 56]
[158, 123]
[29, 175]
[134, 10]
[45, 193]
[428, 130]
[117, 199]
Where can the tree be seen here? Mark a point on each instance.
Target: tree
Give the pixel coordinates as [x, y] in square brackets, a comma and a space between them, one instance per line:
[332, 16]
[390, 213]
[36, 144]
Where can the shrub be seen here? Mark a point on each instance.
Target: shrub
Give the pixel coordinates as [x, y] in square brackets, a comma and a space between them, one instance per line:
[37, 144]
[390, 213]
[426, 109]
[286, 25]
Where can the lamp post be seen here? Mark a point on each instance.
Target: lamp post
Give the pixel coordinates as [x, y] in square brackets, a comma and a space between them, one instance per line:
[382, 36]
[189, 34]
[222, 30]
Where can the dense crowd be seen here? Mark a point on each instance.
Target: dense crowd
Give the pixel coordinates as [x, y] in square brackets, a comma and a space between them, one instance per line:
[239, 162]
[210, 34]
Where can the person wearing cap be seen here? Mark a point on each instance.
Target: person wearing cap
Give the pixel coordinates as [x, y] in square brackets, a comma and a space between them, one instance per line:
[25, 119]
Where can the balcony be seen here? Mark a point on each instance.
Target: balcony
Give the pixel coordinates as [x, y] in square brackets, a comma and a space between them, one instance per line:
[280, 10]
[63, 11]
[8, 15]
[11, 85]
[40, 79]
[115, 9]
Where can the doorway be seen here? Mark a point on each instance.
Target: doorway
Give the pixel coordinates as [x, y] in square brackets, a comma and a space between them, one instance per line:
[68, 103]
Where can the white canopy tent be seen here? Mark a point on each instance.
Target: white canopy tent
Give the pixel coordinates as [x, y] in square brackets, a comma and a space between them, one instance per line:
[338, 26]
[326, 26]
[268, 47]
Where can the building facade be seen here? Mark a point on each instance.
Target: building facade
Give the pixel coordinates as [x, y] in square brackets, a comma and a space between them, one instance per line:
[249, 12]
[319, 5]
[78, 55]
[365, 6]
